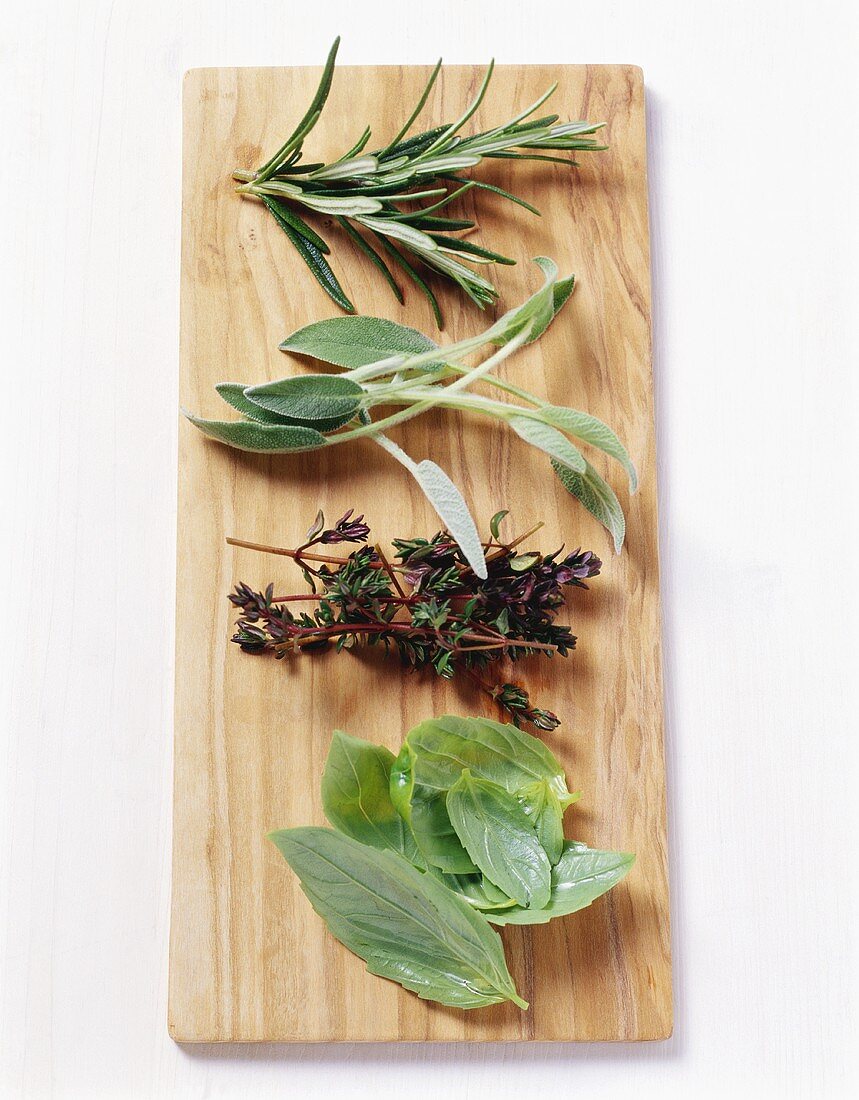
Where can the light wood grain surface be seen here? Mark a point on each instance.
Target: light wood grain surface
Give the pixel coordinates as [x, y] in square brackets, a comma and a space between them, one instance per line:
[249, 958]
[754, 245]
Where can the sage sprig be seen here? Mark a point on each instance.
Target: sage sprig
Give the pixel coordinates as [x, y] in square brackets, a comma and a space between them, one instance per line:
[392, 202]
[389, 365]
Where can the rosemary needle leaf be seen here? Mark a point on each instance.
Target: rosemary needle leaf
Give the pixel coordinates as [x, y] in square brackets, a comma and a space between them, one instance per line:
[398, 258]
[381, 189]
[287, 219]
[373, 256]
[316, 261]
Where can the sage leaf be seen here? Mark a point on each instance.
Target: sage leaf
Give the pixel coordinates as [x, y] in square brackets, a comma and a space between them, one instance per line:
[450, 504]
[447, 500]
[234, 395]
[561, 293]
[544, 809]
[309, 397]
[581, 876]
[500, 838]
[597, 496]
[404, 924]
[356, 796]
[535, 314]
[357, 341]
[548, 439]
[591, 430]
[262, 438]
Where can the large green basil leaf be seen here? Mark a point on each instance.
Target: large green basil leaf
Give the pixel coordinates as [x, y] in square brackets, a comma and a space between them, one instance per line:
[581, 875]
[443, 747]
[431, 760]
[544, 808]
[500, 838]
[357, 800]
[475, 888]
[404, 924]
[423, 807]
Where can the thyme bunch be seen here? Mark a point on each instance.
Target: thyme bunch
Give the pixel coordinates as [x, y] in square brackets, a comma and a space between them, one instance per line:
[426, 604]
[391, 202]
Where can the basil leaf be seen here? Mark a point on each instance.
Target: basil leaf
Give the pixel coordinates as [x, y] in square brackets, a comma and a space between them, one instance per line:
[591, 430]
[262, 438]
[548, 439]
[544, 809]
[309, 397]
[357, 800]
[436, 752]
[431, 760]
[404, 924]
[357, 341]
[597, 496]
[475, 888]
[424, 808]
[581, 875]
[500, 838]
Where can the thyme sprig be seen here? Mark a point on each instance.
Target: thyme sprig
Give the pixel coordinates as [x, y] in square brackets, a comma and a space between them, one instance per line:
[373, 196]
[427, 604]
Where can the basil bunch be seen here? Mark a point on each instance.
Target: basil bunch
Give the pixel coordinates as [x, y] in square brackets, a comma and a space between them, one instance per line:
[463, 828]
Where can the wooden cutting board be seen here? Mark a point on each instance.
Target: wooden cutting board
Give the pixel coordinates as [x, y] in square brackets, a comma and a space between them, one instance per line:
[249, 960]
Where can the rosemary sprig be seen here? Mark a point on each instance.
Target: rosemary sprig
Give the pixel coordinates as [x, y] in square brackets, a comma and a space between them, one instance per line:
[427, 605]
[373, 195]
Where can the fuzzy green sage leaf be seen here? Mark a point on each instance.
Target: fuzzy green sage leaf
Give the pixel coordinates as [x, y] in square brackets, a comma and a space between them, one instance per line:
[309, 397]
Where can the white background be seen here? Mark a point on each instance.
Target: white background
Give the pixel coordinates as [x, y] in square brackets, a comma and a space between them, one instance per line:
[752, 130]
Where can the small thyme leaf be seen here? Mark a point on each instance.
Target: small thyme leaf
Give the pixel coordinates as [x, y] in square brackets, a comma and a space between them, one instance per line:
[429, 605]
